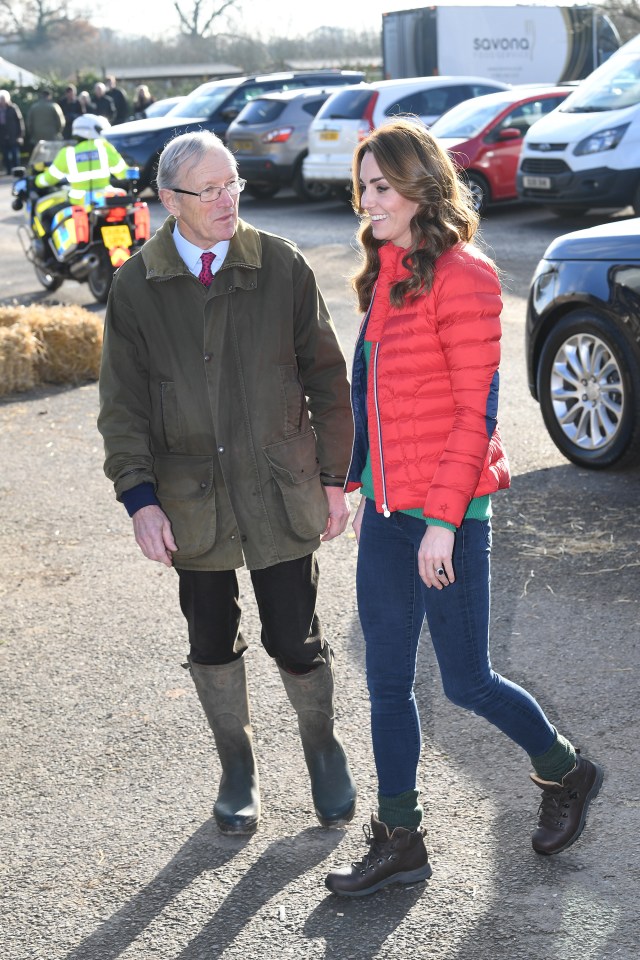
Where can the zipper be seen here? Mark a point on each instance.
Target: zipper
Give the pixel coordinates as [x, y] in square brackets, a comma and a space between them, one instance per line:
[385, 508]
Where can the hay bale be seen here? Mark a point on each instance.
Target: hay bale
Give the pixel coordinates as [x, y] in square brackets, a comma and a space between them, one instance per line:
[47, 344]
[72, 342]
[19, 352]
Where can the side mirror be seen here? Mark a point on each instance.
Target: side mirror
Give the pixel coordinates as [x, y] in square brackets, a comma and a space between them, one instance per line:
[510, 133]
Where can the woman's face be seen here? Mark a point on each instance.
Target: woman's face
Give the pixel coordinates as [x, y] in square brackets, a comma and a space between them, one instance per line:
[389, 212]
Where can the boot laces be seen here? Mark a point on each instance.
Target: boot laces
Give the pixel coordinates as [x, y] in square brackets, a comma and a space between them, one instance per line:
[553, 805]
[379, 851]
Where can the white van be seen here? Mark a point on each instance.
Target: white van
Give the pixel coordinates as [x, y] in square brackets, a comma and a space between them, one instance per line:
[586, 153]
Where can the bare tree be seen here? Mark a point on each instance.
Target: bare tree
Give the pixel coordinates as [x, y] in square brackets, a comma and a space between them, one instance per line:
[35, 24]
[625, 14]
[197, 22]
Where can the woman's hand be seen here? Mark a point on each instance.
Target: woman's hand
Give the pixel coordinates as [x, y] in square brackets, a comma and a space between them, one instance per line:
[357, 520]
[434, 554]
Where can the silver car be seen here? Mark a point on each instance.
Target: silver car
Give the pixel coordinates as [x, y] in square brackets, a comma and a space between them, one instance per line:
[269, 140]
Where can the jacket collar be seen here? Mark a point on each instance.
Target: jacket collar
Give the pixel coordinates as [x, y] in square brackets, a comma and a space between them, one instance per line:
[163, 261]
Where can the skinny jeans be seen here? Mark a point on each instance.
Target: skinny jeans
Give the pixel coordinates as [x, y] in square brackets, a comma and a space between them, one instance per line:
[392, 604]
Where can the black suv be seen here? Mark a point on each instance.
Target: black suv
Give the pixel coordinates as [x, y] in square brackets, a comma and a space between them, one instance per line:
[211, 106]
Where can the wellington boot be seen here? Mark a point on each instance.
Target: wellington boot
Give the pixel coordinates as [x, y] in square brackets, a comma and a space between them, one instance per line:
[332, 786]
[224, 697]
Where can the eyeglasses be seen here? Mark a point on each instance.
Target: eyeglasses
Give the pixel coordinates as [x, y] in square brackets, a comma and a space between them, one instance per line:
[209, 194]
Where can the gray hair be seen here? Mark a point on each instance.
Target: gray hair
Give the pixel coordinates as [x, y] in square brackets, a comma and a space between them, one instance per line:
[190, 149]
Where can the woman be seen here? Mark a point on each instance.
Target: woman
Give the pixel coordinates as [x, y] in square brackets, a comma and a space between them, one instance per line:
[143, 99]
[427, 457]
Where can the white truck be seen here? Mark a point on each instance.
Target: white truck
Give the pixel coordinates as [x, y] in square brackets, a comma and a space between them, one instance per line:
[514, 44]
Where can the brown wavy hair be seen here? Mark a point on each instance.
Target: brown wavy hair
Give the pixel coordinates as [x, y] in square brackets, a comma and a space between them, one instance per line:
[413, 163]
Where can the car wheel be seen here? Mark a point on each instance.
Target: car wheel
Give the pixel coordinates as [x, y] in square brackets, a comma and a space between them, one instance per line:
[569, 211]
[480, 191]
[312, 192]
[589, 390]
[262, 191]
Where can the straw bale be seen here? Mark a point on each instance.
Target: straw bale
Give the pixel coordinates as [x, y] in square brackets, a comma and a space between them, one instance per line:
[19, 351]
[47, 344]
[72, 341]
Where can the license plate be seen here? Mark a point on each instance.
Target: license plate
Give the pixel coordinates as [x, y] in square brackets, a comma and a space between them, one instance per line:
[328, 134]
[242, 145]
[116, 236]
[537, 183]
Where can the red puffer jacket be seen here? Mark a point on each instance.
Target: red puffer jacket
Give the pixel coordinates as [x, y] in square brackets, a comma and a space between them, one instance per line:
[432, 389]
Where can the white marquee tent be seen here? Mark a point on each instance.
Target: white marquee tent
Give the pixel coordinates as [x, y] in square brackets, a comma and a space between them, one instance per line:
[11, 71]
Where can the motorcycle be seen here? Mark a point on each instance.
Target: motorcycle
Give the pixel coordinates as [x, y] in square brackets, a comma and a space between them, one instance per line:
[84, 243]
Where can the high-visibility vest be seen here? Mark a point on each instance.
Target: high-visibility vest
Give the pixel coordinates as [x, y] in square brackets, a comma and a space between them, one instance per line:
[87, 167]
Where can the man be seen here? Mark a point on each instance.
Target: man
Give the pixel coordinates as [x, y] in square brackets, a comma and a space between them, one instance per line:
[71, 108]
[120, 101]
[227, 427]
[11, 131]
[85, 168]
[45, 119]
[103, 103]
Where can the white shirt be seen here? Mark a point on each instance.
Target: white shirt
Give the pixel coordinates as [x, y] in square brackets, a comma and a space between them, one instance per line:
[192, 254]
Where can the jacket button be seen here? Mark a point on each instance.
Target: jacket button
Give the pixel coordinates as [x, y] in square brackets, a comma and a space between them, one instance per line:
[203, 485]
[243, 537]
[207, 357]
[220, 449]
[232, 537]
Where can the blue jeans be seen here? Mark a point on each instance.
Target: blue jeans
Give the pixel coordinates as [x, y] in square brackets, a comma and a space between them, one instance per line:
[392, 603]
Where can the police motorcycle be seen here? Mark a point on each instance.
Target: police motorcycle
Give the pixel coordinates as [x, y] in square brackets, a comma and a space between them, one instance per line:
[84, 243]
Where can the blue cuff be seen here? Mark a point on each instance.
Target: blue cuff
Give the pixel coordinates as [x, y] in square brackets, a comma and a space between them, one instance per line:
[143, 495]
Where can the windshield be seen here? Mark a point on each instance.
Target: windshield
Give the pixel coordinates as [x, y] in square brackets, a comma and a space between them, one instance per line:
[466, 120]
[202, 103]
[614, 86]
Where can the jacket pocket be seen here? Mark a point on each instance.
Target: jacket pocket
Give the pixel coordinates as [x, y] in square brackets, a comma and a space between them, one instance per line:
[186, 494]
[295, 468]
[170, 415]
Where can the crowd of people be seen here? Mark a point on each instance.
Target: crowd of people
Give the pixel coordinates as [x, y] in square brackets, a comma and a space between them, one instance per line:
[48, 119]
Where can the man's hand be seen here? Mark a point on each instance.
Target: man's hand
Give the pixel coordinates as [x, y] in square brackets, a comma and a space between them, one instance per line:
[153, 534]
[338, 513]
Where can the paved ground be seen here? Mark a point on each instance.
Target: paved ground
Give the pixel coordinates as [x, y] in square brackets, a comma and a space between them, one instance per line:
[107, 847]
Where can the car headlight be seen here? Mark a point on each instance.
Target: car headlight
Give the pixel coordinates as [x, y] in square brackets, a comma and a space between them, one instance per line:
[602, 140]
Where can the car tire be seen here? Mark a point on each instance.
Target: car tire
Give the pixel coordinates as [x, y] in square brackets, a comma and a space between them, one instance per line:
[589, 391]
[480, 190]
[314, 192]
[262, 191]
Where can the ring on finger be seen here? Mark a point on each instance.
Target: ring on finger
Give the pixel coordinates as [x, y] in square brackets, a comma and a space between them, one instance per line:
[440, 572]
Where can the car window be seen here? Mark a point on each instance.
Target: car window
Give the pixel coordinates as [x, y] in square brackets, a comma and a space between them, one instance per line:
[312, 106]
[245, 93]
[346, 105]
[202, 103]
[526, 114]
[480, 89]
[429, 102]
[466, 120]
[260, 110]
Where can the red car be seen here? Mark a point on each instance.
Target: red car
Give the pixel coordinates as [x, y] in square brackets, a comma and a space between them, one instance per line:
[484, 136]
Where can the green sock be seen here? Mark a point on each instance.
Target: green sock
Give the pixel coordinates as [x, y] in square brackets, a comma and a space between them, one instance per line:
[402, 810]
[558, 760]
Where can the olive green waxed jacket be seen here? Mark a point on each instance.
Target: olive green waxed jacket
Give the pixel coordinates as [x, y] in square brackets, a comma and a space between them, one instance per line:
[233, 400]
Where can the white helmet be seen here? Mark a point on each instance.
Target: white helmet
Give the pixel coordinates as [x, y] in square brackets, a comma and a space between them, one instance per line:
[89, 126]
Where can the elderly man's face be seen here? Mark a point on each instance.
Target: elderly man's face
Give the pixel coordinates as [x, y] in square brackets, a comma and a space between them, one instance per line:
[205, 224]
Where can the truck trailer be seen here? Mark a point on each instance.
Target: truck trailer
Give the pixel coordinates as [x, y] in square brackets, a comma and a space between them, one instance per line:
[514, 44]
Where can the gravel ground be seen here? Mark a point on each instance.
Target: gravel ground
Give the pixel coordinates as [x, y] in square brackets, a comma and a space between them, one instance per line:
[107, 846]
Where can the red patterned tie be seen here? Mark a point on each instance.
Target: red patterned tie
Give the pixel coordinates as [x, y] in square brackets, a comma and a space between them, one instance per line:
[205, 276]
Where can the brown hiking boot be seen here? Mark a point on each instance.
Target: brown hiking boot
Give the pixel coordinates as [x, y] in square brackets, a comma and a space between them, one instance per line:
[397, 858]
[563, 808]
